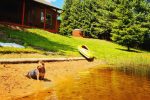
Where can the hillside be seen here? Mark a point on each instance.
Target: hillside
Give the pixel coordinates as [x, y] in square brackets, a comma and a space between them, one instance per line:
[43, 42]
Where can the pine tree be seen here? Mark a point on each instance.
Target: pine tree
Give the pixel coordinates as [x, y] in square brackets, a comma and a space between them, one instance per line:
[126, 22]
[127, 28]
[64, 27]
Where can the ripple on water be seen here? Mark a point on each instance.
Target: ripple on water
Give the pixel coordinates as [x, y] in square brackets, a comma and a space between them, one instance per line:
[104, 84]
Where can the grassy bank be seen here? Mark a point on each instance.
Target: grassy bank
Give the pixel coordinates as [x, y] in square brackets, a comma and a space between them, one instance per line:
[40, 41]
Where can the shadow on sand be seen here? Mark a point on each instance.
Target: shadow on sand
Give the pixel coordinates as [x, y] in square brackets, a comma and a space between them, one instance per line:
[46, 80]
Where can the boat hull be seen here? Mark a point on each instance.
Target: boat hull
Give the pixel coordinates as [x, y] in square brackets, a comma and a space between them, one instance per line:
[84, 51]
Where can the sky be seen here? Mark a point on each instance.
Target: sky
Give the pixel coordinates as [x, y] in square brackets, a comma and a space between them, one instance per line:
[57, 3]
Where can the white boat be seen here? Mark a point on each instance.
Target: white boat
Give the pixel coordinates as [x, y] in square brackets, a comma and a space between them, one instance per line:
[85, 52]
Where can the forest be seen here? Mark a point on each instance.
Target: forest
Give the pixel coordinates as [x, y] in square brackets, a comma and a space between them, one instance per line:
[126, 22]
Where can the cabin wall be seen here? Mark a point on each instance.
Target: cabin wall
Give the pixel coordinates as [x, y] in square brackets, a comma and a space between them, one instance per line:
[34, 16]
[58, 25]
[10, 11]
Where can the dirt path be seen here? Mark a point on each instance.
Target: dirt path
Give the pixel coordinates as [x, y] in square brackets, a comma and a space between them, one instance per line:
[14, 84]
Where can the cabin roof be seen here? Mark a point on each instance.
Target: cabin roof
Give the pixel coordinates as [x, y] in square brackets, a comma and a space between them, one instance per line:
[46, 3]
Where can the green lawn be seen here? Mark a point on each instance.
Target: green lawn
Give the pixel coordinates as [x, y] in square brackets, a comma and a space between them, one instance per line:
[41, 41]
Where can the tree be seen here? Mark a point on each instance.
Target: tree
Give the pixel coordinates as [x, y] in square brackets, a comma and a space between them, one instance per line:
[65, 29]
[82, 14]
[129, 37]
[126, 22]
[127, 28]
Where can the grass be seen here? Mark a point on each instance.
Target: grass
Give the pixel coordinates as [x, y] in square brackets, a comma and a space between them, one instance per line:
[40, 41]
[8, 50]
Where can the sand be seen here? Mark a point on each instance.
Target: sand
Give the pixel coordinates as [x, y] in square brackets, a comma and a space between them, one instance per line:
[15, 86]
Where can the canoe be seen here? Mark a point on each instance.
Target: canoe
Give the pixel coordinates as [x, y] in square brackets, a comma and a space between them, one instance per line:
[84, 51]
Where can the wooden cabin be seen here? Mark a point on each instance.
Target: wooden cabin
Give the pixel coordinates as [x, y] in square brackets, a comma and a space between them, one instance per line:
[30, 13]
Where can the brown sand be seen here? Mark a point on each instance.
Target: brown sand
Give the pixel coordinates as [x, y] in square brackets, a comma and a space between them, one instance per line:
[15, 85]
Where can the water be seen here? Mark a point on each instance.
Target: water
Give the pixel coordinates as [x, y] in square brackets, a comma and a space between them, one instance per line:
[104, 84]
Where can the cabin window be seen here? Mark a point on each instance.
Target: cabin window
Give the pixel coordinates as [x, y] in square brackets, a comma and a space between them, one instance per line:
[49, 19]
[42, 17]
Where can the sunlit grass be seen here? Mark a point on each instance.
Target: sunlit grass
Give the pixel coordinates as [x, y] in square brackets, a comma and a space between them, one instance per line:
[37, 40]
[8, 50]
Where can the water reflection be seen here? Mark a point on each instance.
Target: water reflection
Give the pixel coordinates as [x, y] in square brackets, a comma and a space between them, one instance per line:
[135, 71]
[104, 84]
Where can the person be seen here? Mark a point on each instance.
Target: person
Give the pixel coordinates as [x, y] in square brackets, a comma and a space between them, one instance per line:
[38, 73]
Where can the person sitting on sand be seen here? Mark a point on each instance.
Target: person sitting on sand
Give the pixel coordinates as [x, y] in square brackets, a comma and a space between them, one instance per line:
[37, 73]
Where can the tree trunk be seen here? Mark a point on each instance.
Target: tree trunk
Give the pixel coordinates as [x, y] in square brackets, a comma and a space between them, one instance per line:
[128, 48]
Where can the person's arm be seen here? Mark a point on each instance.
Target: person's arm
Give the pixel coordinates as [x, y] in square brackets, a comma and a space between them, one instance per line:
[37, 74]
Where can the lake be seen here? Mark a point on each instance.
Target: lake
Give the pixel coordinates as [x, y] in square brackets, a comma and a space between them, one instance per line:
[104, 84]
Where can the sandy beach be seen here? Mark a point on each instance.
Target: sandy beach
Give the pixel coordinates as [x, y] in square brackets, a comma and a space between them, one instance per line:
[15, 86]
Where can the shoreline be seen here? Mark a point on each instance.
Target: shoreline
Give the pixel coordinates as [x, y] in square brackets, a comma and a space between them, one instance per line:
[15, 85]
[35, 60]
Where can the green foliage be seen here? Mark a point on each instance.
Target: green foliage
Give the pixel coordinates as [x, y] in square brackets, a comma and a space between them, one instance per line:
[146, 43]
[129, 37]
[130, 26]
[82, 14]
[123, 21]
[65, 29]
